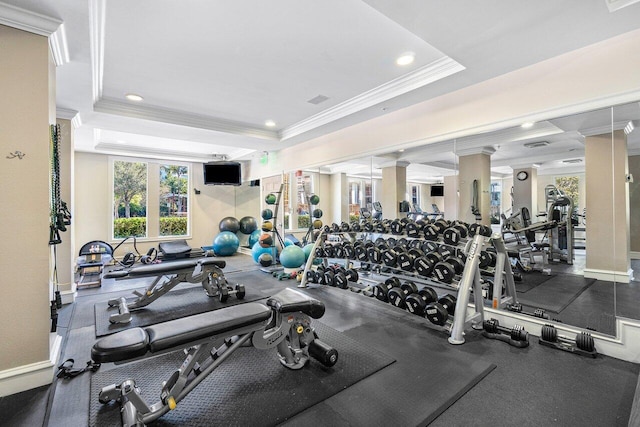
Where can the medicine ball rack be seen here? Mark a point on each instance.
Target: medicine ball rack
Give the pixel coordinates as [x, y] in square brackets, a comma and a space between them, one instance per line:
[276, 236]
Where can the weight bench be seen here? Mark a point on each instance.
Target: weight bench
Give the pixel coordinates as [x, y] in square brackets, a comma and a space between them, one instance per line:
[283, 323]
[168, 275]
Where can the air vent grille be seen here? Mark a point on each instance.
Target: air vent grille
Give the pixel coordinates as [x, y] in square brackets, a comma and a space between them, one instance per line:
[570, 161]
[536, 144]
[318, 99]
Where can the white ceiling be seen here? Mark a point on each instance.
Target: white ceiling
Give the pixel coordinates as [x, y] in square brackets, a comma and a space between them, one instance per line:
[212, 72]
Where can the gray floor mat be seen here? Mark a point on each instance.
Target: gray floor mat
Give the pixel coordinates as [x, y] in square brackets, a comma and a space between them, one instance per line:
[250, 388]
[556, 293]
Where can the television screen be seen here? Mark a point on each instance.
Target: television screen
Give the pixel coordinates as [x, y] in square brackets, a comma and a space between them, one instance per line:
[222, 173]
[437, 190]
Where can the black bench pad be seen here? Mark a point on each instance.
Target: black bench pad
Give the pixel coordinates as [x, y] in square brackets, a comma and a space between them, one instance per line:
[136, 342]
[121, 346]
[289, 301]
[168, 267]
[193, 328]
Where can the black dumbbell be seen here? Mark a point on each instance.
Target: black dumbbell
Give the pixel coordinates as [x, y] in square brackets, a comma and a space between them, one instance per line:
[406, 259]
[390, 257]
[412, 229]
[417, 302]
[429, 246]
[356, 227]
[423, 266]
[517, 333]
[396, 227]
[345, 227]
[431, 232]
[583, 341]
[398, 294]
[445, 271]
[349, 250]
[338, 250]
[381, 290]
[454, 234]
[374, 255]
[439, 312]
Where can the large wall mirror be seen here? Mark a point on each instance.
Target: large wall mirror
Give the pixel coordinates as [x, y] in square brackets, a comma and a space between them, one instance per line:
[579, 170]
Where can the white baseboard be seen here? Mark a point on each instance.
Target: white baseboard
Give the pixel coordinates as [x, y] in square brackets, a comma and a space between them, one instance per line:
[26, 377]
[609, 275]
[625, 345]
[68, 297]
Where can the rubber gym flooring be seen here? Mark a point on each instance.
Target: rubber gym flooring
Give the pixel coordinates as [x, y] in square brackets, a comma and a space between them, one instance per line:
[482, 382]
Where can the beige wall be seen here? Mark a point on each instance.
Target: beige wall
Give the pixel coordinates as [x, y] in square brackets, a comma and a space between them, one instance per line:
[450, 201]
[474, 167]
[525, 193]
[339, 204]
[394, 189]
[24, 251]
[93, 204]
[607, 205]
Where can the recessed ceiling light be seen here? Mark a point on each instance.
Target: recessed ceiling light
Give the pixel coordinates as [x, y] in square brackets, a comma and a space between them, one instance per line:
[134, 97]
[119, 141]
[527, 125]
[270, 123]
[406, 58]
[401, 150]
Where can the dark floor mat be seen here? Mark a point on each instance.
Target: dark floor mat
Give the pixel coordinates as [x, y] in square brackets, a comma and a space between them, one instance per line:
[556, 293]
[251, 388]
[173, 305]
[530, 281]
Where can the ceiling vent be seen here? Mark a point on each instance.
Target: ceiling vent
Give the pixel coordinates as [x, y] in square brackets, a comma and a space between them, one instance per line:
[536, 144]
[570, 161]
[318, 99]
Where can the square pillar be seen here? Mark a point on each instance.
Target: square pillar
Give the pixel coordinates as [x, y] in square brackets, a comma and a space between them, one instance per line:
[394, 189]
[475, 165]
[607, 208]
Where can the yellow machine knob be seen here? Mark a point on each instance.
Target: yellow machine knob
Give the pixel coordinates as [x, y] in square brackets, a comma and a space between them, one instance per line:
[300, 329]
[172, 403]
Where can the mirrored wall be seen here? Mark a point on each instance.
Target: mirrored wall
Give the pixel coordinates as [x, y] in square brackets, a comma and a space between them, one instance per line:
[577, 170]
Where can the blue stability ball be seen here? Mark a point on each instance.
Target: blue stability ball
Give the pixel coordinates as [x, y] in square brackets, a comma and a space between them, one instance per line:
[258, 250]
[307, 251]
[226, 243]
[248, 225]
[229, 223]
[288, 242]
[254, 237]
[292, 257]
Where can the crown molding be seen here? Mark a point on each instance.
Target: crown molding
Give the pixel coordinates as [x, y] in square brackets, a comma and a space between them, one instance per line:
[112, 106]
[614, 5]
[26, 20]
[59, 47]
[423, 76]
[475, 150]
[67, 114]
[155, 153]
[97, 18]
[603, 130]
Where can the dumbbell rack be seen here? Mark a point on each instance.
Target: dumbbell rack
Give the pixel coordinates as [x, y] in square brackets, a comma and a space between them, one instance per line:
[470, 279]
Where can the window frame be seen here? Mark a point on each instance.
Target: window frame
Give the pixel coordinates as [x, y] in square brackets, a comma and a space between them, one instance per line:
[152, 214]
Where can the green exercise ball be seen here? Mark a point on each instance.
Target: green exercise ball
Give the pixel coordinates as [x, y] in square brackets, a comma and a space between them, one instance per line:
[314, 199]
[271, 199]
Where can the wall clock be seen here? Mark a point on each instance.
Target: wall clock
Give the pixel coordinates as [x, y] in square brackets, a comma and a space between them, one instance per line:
[522, 176]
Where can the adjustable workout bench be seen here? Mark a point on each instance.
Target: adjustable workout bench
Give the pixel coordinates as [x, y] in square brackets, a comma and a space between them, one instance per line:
[205, 270]
[284, 323]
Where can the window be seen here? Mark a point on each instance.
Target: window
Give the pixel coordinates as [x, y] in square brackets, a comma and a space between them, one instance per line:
[174, 200]
[129, 199]
[167, 215]
[570, 187]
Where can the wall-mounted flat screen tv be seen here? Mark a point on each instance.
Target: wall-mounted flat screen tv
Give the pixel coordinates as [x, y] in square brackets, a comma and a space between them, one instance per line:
[437, 190]
[222, 173]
